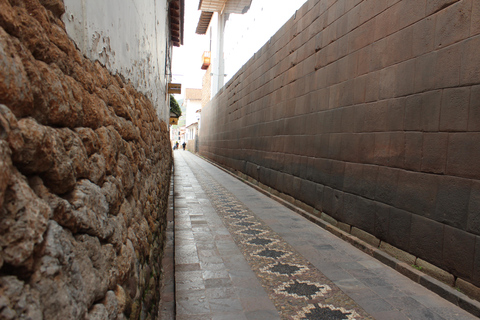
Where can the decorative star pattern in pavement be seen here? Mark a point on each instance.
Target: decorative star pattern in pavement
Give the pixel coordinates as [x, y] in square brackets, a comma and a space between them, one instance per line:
[327, 312]
[303, 289]
[260, 241]
[296, 287]
[271, 253]
[285, 269]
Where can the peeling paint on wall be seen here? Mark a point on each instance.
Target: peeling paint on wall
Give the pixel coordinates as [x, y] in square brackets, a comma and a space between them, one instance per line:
[128, 37]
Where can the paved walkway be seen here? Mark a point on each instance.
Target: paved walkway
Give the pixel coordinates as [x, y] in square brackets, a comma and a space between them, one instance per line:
[242, 255]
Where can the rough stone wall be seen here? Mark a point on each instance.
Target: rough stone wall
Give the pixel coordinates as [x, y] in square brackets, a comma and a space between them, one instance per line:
[370, 112]
[84, 177]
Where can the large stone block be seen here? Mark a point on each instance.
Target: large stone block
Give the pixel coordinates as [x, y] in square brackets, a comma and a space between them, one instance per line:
[423, 36]
[382, 148]
[366, 150]
[404, 74]
[399, 229]
[336, 174]
[452, 201]
[434, 152]
[453, 22]
[382, 220]
[364, 60]
[476, 263]
[475, 28]
[413, 113]
[333, 203]
[473, 220]
[308, 192]
[376, 116]
[396, 155]
[459, 252]
[406, 13]
[424, 78]
[413, 150]
[437, 5]
[454, 110]
[350, 147]
[447, 68]
[474, 110]
[299, 166]
[399, 46]
[463, 155]
[427, 239]
[431, 106]
[364, 214]
[417, 192]
[470, 70]
[372, 85]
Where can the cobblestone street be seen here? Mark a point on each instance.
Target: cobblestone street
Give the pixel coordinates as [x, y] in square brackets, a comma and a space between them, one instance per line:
[242, 255]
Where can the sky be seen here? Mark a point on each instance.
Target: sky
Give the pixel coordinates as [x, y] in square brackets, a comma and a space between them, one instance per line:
[244, 35]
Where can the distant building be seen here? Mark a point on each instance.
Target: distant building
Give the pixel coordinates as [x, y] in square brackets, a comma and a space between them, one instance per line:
[193, 105]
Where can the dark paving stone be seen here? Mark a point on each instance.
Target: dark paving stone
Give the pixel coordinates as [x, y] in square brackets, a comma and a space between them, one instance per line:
[252, 232]
[218, 283]
[285, 269]
[271, 253]
[375, 282]
[260, 241]
[187, 267]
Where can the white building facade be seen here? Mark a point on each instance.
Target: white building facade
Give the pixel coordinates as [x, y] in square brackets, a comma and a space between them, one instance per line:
[133, 38]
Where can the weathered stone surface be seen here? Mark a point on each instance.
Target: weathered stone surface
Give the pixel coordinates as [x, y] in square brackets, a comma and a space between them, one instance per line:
[89, 139]
[76, 152]
[97, 169]
[114, 193]
[9, 130]
[5, 170]
[64, 293]
[84, 178]
[97, 261]
[109, 140]
[98, 312]
[56, 6]
[17, 300]
[23, 221]
[90, 209]
[15, 89]
[111, 305]
[35, 155]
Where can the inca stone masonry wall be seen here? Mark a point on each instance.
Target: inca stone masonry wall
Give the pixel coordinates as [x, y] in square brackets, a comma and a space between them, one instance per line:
[84, 178]
[368, 111]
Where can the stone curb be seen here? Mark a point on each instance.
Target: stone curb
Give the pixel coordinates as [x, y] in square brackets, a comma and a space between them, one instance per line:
[441, 289]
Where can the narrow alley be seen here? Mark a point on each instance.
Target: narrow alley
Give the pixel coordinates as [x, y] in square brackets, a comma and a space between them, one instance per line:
[241, 255]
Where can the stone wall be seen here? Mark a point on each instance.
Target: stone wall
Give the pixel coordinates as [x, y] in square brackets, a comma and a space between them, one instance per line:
[367, 111]
[84, 178]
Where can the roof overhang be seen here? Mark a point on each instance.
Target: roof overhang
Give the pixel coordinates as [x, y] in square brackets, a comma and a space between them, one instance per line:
[208, 7]
[204, 22]
[225, 6]
[176, 14]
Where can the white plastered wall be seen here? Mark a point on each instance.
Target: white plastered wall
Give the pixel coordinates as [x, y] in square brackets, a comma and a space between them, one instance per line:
[129, 37]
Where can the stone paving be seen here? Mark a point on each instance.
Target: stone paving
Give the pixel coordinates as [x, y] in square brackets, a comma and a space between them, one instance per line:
[241, 255]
